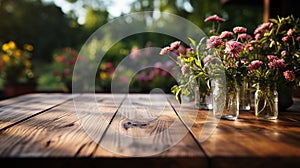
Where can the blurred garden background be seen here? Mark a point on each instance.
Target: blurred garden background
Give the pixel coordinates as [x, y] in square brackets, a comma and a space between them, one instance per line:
[57, 29]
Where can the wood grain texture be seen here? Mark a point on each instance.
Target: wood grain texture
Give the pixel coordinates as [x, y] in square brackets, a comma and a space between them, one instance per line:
[140, 130]
[250, 142]
[20, 108]
[55, 133]
[148, 126]
[19, 99]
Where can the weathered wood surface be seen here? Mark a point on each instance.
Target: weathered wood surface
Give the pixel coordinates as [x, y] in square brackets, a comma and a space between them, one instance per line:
[147, 126]
[148, 130]
[252, 142]
[20, 108]
[56, 132]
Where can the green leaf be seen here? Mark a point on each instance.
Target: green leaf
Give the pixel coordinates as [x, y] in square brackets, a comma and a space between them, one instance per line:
[176, 90]
[193, 42]
[273, 20]
[178, 96]
[271, 44]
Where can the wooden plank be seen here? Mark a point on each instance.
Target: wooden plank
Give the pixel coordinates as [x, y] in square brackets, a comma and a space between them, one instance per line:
[146, 125]
[247, 142]
[57, 132]
[18, 109]
[54, 137]
[20, 98]
[250, 142]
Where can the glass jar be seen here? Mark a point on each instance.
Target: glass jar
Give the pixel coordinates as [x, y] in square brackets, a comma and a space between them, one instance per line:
[225, 100]
[203, 100]
[245, 96]
[266, 102]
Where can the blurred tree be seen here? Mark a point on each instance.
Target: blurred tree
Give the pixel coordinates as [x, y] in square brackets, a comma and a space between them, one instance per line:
[193, 10]
[94, 19]
[43, 25]
[237, 13]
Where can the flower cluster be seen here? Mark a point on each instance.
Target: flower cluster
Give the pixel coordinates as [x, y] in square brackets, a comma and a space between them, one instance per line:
[105, 71]
[272, 56]
[191, 67]
[63, 65]
[275, 57]
[154, 76]
[157, 71]
[15, 63]
[231, 48]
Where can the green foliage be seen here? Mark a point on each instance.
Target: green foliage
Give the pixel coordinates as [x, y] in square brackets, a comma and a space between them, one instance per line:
[195, 75]
[277, 40]
[48, 28]
[94, 19]
[44, 26]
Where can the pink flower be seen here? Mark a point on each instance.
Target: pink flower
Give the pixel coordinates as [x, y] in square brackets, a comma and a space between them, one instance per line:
[135, 52]
[67, 71]
[226, 34]
[285, 39]
[158, 65]
[141, 77]
[207, 59]
[263, 27]
[165, 51]
[189, 50]
[181, 49]
[254, 65]
[174, 45]
[214, 41]
[239, 30]
[258, 36]
[175, 52]
[289, 75]
[272, 57]
[214, 18]
[249, 47]
[245, 36]
[124, 79]
[151, 76]
[164, 73]
[290, 32]
[277, 63]
[284, 53]
[169, 64]
[233, 47]
[244, 61]
[298, 39]
[184, 69]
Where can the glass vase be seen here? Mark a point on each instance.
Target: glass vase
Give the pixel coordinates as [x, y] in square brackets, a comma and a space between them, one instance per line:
[266, 102]
[225, 100]
[245, 96]
[203, 100]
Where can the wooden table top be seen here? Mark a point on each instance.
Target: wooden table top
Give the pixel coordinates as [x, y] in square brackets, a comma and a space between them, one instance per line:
[138, 130]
